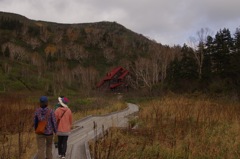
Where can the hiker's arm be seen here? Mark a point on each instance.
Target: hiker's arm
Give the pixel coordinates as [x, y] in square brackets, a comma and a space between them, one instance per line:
[54, 122]
[70, 118]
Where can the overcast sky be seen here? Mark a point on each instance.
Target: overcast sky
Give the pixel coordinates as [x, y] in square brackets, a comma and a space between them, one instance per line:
[169, 22]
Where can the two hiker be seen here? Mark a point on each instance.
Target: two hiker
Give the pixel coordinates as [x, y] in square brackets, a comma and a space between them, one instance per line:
[58, 122]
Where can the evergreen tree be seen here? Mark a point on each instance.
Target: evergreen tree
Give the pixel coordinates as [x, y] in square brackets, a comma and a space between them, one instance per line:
[236, 41]
[173, 74]
[235, 62]
[223, 47]
[189, 67]
[207, 61]
[183, 70]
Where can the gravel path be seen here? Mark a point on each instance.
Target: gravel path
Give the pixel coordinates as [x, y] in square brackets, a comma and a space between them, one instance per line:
[77, 142]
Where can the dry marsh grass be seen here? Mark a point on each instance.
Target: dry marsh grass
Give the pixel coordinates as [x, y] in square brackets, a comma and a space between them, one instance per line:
[17, 137]
[16, 129]
[177, 127]
[102, 106]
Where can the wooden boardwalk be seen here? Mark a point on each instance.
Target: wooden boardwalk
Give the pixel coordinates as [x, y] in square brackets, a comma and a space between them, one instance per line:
[78, 140]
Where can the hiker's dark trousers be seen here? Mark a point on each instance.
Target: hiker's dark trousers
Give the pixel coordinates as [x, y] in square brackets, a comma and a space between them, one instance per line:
[62, 145]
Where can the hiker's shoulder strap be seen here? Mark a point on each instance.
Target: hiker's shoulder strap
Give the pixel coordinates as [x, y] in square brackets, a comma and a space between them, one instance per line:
[64, 112]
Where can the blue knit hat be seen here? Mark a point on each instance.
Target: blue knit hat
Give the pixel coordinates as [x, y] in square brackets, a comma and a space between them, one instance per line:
[43, 99]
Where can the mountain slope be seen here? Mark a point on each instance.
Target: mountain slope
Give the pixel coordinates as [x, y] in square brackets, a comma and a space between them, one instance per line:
[39, 55]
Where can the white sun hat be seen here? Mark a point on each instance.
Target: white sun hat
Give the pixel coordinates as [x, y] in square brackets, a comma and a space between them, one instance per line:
[63, 101]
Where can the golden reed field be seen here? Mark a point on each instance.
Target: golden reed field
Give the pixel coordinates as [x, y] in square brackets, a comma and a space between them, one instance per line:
[173, 126]
[176, 127]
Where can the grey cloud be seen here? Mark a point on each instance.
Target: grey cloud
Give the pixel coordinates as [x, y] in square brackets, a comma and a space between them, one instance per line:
[167, 22]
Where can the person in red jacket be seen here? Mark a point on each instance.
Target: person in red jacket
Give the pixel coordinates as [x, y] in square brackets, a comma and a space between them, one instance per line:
[64, 123]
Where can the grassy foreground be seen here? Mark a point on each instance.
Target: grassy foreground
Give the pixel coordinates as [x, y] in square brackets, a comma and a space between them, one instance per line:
[177, 127]
[17, 137]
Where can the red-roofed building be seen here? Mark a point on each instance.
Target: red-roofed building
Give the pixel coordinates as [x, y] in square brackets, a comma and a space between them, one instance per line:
[115, 79]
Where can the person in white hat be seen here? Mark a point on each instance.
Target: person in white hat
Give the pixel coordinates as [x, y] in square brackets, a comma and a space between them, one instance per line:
[64, 123]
